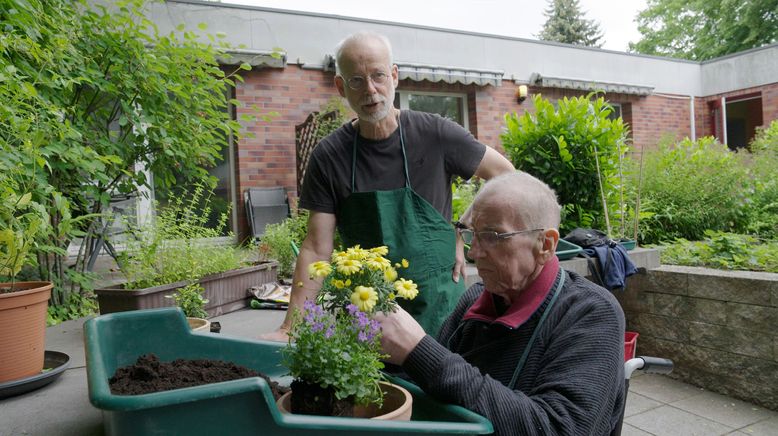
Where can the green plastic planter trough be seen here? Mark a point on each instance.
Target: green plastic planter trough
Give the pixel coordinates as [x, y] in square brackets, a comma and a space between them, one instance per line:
[238, 407]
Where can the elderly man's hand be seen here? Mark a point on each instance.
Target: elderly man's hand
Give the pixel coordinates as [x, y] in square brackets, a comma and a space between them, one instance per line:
[459, 265]
[400, 334]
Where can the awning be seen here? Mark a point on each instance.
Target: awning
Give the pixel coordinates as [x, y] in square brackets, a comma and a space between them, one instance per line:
[536, 79]
[438, 73]
[255, 58]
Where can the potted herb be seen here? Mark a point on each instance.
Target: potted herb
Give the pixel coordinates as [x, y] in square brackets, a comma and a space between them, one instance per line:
[191, 301]
[177, 248]
[23, 305]
[334, 349]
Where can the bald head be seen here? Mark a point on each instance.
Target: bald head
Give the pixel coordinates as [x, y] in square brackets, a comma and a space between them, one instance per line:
[375, 40]
[526, 200]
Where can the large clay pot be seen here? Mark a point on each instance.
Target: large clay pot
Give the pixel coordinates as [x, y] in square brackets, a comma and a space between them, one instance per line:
[23, 329]
[398, 404]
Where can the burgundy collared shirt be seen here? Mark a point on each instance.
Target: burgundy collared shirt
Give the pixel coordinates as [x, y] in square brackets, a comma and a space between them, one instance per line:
[530, 299]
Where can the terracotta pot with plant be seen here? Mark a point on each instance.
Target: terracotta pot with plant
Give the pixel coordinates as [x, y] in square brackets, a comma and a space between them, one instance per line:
[23, 305]
[334, 353]
[191, 301]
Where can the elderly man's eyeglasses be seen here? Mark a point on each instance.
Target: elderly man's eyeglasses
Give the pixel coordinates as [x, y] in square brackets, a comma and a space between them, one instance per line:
[489, 238]
[358, 83]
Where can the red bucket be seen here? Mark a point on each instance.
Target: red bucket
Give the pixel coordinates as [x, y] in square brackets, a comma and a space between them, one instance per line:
[630, 340]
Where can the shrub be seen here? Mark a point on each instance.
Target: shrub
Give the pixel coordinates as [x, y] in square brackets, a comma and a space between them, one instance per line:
[724, 251]
[567, 147]
[763, 209]
[690, 187]
[276, 242]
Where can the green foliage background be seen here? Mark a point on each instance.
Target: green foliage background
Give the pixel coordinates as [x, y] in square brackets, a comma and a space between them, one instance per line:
[563, 146]
[566, 23]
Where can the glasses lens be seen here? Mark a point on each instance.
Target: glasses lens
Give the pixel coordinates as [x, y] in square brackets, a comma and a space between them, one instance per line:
[487, 238]
[378, 78]
[467, 235]
[356, 82]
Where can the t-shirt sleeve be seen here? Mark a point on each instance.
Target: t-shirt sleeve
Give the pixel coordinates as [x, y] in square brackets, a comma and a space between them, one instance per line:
[463, 153]
[317, 194]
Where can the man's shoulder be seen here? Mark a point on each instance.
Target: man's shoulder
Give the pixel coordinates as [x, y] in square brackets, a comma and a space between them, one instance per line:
[586, 292]
[426, 119]
[336, 142]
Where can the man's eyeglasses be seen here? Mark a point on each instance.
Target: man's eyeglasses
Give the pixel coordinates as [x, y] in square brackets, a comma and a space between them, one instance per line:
[489, 238]
[358, 83]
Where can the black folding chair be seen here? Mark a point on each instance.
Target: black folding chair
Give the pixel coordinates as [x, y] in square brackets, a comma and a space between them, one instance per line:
[649, 365]
[265, 206]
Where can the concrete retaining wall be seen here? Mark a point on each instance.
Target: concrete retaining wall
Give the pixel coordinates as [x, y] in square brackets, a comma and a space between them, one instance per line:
[719, 327]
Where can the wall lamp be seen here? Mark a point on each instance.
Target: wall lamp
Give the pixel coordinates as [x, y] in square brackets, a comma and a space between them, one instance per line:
[521, 93]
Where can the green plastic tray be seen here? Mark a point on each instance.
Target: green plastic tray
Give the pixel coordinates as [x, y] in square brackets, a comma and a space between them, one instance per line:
[567, 250]
[238, 407]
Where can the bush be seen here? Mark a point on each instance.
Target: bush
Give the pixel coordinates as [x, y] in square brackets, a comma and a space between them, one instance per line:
[567, 147]
[462, 195]
[689, 188]
[724, 251]
[276, 242]
[763, 208]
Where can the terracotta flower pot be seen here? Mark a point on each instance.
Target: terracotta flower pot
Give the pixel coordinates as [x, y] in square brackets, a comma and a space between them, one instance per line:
[23, 329]
[398, 404]
[199, 324]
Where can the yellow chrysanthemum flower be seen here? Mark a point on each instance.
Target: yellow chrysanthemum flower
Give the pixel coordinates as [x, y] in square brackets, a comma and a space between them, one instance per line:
[390, 274]
[365, 298]
[339, 284]
[404, 263]
[349, 266]
[319, 269]
[357, 253]
[339, 256]
[381, 251]
[406, 289]
[374, 264]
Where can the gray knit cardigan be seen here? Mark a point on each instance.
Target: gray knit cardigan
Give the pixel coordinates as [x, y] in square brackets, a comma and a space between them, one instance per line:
[572, 382]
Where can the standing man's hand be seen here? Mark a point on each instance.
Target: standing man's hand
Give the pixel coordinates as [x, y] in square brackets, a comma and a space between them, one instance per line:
[459, 264]
[400, 334]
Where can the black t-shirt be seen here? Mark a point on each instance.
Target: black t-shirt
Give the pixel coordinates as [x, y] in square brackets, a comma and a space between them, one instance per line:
[437, 149]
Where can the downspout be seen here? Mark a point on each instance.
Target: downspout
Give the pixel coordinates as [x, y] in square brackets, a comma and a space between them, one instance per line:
[724, 119]
[691, 118]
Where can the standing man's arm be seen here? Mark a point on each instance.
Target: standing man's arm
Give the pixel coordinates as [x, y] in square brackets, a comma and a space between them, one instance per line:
[492, 164]
[317, 246]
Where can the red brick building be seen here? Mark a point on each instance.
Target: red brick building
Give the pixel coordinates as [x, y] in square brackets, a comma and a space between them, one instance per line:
[472, 77]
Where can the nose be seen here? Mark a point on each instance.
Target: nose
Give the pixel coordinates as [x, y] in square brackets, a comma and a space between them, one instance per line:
[475, 249]
[370, 86]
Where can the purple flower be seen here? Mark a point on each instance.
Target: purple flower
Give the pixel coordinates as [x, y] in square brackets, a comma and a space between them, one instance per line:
[330, 331]
[352, 309]
[363, 337]
[317, 326]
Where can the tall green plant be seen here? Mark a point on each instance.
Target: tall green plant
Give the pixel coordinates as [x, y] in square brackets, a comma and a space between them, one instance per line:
[575, 148]
[101, 94]
[691, 187]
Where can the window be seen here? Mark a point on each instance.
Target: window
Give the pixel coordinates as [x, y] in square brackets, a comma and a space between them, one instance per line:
[448, 105]
[616, 111]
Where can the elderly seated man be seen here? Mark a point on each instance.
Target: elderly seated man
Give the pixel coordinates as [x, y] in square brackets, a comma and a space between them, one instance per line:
[534, 348]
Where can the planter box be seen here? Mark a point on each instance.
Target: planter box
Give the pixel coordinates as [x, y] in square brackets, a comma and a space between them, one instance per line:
[226, 292]
[237, 407]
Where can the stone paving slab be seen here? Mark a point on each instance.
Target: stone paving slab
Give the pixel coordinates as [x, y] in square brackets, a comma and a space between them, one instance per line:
[670, 421]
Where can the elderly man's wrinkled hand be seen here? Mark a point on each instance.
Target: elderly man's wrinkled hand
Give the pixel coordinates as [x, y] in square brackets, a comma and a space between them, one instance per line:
[400, 334]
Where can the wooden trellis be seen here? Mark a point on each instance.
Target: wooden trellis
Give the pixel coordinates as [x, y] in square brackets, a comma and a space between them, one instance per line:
[307, 135]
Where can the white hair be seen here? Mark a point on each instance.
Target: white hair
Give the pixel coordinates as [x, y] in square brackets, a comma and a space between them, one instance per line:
[532, 203]
[360, 37]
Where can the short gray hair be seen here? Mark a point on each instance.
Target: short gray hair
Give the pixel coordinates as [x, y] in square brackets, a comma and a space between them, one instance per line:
[532, 203]
[359, 37]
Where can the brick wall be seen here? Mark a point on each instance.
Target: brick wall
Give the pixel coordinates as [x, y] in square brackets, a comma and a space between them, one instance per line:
[268, 159]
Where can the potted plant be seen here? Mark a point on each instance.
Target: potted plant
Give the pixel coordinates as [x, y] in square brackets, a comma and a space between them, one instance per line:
[177, 248]
[23, 305]
[191, 301]
[334, 350]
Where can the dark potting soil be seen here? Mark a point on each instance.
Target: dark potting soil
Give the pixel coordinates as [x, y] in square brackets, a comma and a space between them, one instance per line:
[149, 375]
[311, 399]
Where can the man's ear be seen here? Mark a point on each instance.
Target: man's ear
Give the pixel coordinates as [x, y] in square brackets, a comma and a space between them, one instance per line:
[340, 84]
[548, 245]
[395, 75]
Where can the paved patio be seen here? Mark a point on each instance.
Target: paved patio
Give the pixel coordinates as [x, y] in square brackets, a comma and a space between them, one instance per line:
[656, 405]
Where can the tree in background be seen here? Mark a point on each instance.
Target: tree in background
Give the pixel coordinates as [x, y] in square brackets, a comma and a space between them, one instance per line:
[705, 29]
[89, 96]
[566, 23]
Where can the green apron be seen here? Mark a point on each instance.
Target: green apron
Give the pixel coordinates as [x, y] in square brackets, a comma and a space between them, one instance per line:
[413, 230]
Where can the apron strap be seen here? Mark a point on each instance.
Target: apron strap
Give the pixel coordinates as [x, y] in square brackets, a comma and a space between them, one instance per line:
[524, 355]
[354, 156]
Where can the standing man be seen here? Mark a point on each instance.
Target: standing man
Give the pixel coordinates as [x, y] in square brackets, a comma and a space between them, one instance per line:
[385, 179]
